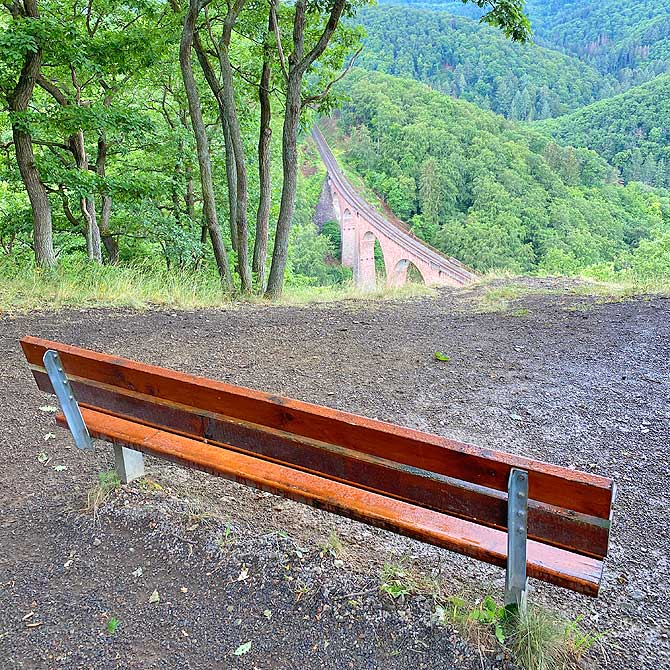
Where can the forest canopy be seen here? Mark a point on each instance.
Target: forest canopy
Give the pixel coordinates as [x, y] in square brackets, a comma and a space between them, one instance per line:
[488, 191]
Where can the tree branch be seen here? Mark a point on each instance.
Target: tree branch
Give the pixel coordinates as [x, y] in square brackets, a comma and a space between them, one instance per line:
[275, 28]
[316, 98]
[327, 33]
[52, 90]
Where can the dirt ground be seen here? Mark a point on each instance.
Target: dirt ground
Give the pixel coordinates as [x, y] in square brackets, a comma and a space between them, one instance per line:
[570, 379]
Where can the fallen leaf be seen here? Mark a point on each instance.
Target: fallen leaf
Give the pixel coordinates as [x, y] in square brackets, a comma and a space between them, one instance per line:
[244, 574]
[138, 572]
[48, 408]
[439, 356]
[243, 649]
[28, 616]
[43, 457]
[184, 589]
[49, 436]
[60, 468]
[154, 597]
[516, 417]
[34, 624]
[67, 564]
[267, 614]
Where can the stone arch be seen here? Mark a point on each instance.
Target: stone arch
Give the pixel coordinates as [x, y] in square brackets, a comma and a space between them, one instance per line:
[401, 269]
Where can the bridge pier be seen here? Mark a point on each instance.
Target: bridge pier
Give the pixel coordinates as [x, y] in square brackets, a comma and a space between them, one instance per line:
[348, 228]
[365, 273]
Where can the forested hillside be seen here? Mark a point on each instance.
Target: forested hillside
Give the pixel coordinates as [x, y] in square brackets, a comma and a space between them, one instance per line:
[475, 62]
[489, 191]
[626, 38]
[631, 131]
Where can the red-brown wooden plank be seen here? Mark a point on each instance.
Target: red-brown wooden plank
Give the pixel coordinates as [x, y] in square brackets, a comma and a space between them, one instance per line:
[569, 530]
[561, 487]
[550, 564]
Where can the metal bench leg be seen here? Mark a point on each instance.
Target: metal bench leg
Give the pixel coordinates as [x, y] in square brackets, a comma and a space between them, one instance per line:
[517, 535]
[68, 403]
[129, 463]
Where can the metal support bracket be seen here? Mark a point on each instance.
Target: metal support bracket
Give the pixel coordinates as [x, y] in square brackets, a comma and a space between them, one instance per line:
[129, 463]
[68, 403]
[517, 536]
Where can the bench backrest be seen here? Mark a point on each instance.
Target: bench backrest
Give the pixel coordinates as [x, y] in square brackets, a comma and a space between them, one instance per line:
[567, 508]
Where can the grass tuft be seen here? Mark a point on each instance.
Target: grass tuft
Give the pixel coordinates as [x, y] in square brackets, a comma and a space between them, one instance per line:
[535, 638]
[108, 482]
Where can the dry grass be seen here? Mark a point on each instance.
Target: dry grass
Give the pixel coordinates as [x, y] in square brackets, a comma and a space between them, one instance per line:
[81, 284]
[108, 482]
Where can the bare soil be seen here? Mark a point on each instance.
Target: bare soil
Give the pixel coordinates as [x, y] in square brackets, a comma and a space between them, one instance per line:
[588, 378]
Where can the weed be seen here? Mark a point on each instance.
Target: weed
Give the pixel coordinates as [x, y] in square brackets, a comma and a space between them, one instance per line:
[226, 538]
[197, 515]
[108, 482]
[520, 312]
[150, 485]
[77, 282]
[301, 590]
[579, 307]
[397, 580]
[333, 546]
[536, 638]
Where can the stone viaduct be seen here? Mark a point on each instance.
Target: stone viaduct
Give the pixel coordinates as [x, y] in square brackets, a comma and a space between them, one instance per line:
[361, 224]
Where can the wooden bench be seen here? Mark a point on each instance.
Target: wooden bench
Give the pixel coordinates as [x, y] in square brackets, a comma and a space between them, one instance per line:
[548, 522]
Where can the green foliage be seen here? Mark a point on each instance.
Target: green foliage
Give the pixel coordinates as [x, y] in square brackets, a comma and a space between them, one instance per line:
[631, 131]
[536, 638]
[477, 63]
[313, 257]
[500, 195]
[628, 38]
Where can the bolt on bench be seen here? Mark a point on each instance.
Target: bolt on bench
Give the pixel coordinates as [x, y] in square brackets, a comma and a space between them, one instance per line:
[536, 519]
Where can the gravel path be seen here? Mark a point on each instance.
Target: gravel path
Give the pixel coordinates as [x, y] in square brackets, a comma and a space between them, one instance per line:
[589, 380]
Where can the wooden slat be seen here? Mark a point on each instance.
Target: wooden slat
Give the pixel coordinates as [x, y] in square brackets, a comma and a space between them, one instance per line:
[550, 564]
[575, 532]
[553, 485]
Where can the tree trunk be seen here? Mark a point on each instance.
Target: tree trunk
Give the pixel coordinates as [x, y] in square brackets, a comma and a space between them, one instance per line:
[202, 144]
[87, 204]
[232, 121]
[231, 172]
[231, 177]
[109, 241]
[290, 171]
[298, 64]
[265, 195]
[25, 158]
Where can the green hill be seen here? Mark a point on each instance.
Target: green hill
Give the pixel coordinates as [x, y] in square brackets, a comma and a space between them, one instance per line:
[631, 131]
[475, 62]
[489, 191]
[626, 38]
